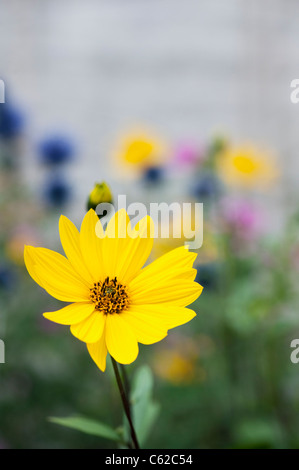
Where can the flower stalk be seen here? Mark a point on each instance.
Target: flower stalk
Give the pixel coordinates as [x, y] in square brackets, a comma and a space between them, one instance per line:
[125, 402]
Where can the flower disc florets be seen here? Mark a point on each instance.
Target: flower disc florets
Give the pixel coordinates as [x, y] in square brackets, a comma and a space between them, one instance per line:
[109, 296]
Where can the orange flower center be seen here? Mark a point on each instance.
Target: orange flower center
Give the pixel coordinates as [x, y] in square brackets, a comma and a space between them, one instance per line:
[109, 296]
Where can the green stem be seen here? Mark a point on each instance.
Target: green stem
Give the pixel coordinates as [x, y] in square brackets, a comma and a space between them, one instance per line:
[125, 380]
[125, 402]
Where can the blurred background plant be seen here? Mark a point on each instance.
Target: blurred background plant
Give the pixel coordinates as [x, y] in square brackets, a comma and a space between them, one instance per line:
[224, 380]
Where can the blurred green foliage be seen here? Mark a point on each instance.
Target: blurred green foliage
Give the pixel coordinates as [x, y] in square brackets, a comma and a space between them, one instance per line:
[247, 398]
[230, 384]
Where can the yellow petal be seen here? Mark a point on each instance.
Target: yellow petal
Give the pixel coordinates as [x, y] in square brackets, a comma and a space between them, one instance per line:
[120, 339]
[173, 264]
[115, 242]
[73, 313]
[189, 274]
[179, 292]
[163, 316]
[56, 275]
[98, 352]
[91, 329]
[90, 244]
[29, 263]
[146, 327]
[70, 240]
[142, 283]
[137, 250]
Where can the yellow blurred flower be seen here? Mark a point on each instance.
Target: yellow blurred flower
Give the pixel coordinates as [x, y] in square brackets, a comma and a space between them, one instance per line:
[175, 368]
[246, 166]
[178, 364]
[14, 248]
[138, 150]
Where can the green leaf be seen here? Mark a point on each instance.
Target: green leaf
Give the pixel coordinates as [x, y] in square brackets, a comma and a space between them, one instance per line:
[142, 384]
[146, 420]
[258, 434]
[88, 426]
[144, 410]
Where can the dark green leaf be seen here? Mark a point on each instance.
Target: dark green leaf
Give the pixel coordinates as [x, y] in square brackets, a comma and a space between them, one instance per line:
[87, 426]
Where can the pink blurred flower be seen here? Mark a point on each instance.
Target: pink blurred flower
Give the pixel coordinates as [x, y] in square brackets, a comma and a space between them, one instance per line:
[242, 218]
[188, 154]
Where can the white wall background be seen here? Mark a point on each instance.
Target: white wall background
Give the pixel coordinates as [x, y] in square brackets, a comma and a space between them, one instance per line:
[184, 68]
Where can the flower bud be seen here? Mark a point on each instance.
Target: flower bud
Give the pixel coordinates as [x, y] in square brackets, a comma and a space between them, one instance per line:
[100, 193]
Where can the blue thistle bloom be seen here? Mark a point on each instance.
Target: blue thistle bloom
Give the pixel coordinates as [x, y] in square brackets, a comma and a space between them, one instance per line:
[56, 150]
[153, 175]
[11, 121]
[57, 192]
[7, 277]
[208, 275]
[207, 186]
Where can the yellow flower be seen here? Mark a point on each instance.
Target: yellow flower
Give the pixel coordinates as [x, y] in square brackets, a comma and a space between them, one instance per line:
[246, 166]
[14, 248]
[174, 367]
[115, 302]
[136, 151]
[179, 362]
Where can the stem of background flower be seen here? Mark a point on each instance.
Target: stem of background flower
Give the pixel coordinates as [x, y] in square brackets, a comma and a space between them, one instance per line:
[125, 402]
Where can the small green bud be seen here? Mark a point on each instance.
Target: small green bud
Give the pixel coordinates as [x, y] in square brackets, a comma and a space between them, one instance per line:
[217, 148]
[218, 145]
[100, 193]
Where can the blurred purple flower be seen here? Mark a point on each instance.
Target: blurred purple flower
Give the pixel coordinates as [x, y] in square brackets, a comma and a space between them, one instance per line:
[242, 217]
[187, 154]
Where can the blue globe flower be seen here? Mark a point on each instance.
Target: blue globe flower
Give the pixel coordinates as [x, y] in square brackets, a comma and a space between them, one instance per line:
[57, 192]
[56, 150]
[11, 121]
[153, 175]
[7, 277]
[206, 187]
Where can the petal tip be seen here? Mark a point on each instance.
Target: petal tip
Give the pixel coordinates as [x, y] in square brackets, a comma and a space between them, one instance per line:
[63, 219]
